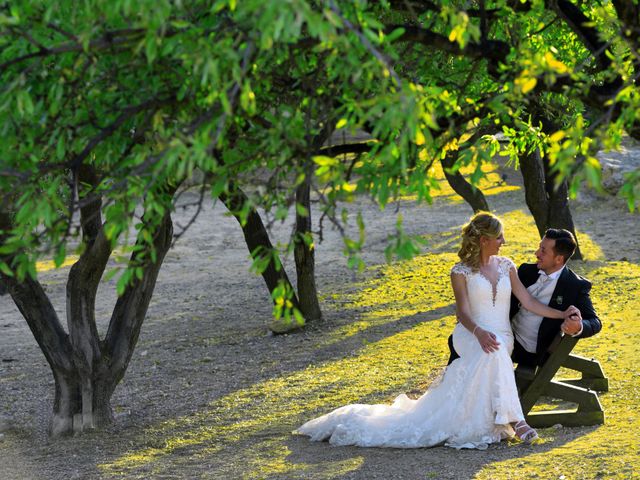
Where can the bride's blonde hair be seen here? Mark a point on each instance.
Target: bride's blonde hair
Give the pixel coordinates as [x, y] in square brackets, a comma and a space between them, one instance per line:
[481, 224]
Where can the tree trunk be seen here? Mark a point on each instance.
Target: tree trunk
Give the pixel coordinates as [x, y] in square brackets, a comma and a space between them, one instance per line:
[472, 195]
[304, 252]
[78, 390]
[259, 245]
[548, 205]
[85, 369]
[535, 189]
[80, 405]
[81, 399]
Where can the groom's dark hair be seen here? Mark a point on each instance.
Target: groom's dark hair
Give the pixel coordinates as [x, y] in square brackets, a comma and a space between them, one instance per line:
[565, 242]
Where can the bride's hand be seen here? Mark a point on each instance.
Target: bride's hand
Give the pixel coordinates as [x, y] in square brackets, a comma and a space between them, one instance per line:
[571, 312]
[488, 340]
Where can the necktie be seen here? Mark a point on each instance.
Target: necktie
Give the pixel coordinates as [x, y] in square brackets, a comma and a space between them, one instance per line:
[543, 279]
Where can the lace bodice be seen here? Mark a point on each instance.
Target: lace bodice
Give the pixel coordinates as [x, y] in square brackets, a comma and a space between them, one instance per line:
[488, 302]
[504, 265]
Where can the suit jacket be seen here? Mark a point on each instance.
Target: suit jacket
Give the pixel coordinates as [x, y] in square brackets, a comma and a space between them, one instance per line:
[571, 289]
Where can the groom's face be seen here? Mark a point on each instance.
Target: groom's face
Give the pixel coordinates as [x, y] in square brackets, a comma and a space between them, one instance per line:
[548, 261]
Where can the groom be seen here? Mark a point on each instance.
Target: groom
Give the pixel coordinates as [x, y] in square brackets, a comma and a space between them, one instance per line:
[552, 283]
[555, 284]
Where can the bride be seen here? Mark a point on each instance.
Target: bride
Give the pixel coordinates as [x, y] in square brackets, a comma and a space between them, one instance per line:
[476, 402]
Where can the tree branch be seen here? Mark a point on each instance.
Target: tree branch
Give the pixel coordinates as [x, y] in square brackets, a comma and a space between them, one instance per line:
[127, 113]
[37, 310]
[345, 148]
[108, 40]
[131, 307]
[491, 49]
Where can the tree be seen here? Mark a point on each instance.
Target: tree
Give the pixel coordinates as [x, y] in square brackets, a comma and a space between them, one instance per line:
[86, 368]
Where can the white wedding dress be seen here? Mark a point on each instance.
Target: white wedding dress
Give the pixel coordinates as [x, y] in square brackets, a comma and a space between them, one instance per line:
[470, 407]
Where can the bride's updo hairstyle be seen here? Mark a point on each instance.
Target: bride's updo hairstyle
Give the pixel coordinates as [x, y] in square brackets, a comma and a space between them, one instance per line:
[481, 224]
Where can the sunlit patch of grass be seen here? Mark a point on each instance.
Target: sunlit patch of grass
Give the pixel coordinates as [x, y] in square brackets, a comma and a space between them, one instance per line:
[408, 287]
[348, 330]
[270, 458]
[119, 255]
[399, 290]
[12, 378]
[46, 265]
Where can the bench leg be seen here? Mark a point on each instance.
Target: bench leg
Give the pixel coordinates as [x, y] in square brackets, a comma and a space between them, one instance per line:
[589, 411]
[532, 392]
[592, 374]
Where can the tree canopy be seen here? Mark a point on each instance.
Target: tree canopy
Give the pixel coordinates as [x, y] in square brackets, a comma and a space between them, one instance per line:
[145, 92]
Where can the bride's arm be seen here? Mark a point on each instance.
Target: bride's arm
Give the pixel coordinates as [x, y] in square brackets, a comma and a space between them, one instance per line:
[487, 340]
[531, 303]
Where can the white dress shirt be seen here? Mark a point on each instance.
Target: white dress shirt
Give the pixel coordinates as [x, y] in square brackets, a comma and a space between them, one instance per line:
[525, 323]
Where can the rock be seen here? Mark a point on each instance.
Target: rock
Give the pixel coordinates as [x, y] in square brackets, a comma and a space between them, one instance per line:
[122, 415]
[616, 163]
[282, 326]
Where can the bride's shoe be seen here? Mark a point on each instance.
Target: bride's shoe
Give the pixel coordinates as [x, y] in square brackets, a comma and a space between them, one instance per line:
[526, 433]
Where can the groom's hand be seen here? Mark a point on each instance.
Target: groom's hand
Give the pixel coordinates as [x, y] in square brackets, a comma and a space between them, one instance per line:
[572, 325]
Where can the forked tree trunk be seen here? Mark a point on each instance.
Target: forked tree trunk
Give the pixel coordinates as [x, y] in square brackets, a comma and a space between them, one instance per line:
[86, 370]
[304, 253]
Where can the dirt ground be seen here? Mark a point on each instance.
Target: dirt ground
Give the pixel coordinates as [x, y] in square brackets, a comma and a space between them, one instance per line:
[205, 340]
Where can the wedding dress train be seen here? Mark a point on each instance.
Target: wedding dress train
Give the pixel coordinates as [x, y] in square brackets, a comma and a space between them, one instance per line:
[471, 406]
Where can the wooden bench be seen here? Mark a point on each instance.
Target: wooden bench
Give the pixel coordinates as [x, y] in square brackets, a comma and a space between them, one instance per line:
[535, 383]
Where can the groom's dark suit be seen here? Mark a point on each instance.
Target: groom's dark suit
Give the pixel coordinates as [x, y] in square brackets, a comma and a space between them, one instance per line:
[571, 289]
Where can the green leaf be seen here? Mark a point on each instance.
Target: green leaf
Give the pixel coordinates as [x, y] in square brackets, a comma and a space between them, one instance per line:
[123, 282]
[60, 148]
[151, 48]
[60, 255]
[301, 210]
[4, 268]
[397, 33]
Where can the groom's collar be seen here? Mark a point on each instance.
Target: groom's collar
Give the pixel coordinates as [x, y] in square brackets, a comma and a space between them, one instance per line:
[556, 274]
